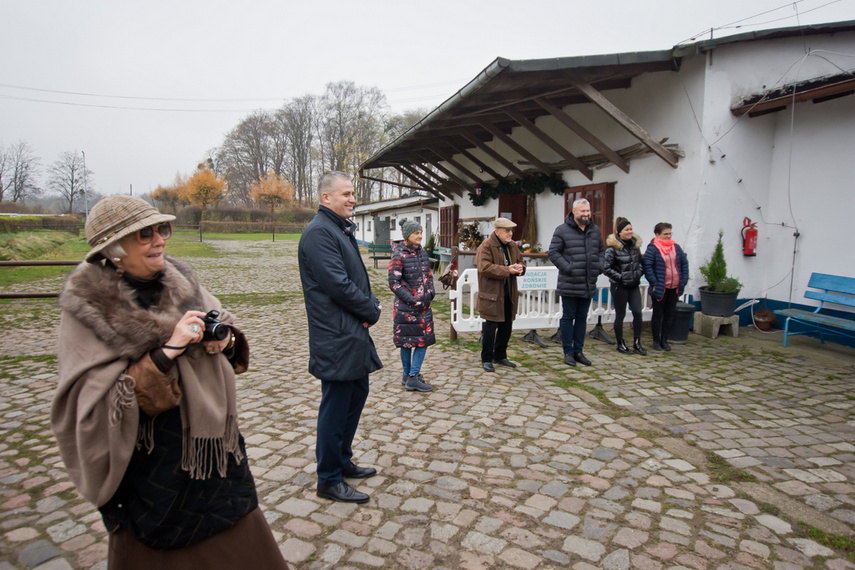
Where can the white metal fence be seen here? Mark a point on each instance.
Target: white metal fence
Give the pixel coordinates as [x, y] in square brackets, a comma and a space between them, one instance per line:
[539, 306]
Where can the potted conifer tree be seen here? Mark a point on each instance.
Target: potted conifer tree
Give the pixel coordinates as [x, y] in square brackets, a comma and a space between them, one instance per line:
[718, 297]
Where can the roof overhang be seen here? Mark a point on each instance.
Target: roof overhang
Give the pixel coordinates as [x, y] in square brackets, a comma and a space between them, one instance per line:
[818, 90]
[447, 153]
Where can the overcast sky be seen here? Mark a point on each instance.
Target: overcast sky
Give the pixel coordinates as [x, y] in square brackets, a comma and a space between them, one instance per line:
[150, 86]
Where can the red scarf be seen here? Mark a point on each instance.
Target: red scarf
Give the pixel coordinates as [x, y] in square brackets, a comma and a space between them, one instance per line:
[664, 245]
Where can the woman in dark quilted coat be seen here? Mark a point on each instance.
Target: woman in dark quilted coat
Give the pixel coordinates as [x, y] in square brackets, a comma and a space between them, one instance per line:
[624, 269]
[411, 282]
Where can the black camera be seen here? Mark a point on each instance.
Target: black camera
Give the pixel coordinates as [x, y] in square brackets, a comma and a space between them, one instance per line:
[214, 329]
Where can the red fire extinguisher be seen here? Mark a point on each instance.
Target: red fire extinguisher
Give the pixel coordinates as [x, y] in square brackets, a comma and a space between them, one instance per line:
[749, 238]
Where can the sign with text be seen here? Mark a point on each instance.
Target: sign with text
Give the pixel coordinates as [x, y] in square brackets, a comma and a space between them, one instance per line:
[538, 278]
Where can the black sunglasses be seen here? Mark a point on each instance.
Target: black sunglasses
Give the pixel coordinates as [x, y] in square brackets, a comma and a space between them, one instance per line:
[164, 229]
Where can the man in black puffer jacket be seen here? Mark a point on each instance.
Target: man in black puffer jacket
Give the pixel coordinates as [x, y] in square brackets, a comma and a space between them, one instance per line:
[577, 251]
[340, 308]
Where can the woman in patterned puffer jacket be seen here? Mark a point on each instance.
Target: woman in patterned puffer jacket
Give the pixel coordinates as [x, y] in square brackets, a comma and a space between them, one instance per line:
[411, 281]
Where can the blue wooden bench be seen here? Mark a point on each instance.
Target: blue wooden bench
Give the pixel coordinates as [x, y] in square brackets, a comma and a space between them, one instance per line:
[833, 289]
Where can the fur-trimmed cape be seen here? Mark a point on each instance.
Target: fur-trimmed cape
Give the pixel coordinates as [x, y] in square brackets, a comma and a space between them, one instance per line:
[94, 414]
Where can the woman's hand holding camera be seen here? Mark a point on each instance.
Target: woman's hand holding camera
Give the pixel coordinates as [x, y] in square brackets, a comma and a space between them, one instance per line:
[188, 330]
[516, 269]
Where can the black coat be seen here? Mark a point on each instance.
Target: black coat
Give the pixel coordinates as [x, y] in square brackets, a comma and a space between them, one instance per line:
[411, 282]
[338, 300]
[623, 265]
[578, 255]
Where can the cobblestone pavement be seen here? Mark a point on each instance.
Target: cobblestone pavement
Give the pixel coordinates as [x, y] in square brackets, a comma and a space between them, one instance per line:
[719, 454]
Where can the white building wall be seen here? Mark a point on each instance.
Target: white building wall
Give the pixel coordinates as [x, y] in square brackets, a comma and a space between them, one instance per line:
[733, 168]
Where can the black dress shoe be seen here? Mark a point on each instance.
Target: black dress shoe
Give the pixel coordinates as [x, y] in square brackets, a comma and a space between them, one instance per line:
[636, 345]
[568, 360]
[580, 358]
[488, 366]
[657, 346]
[342, 493]
[357, 472]
[505, 362]
[665, 345]
[623, 348]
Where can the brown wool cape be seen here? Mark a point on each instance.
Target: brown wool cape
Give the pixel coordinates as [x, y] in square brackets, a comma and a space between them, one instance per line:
[94, 414]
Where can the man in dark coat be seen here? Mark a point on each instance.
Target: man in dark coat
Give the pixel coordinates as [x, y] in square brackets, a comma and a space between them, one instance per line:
[499, 261]
[577, 251]
[340, 308]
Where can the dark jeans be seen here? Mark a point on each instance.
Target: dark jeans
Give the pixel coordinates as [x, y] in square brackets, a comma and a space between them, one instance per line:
[620, 297]
[495, 336]
[574, 323]
[663, 315]
[338, 417]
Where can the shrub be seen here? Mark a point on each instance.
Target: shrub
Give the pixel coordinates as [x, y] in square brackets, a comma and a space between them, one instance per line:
[715, 271]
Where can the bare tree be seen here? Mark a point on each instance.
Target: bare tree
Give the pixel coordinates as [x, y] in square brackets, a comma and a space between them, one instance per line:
[66, 177]
[18, 170]
[296, 119]
[250, 150]
[350, 128]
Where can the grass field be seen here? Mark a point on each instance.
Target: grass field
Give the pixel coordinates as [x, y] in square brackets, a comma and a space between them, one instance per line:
[50, 246]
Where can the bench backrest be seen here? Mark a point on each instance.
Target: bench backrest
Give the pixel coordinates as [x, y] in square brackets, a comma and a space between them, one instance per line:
[836, 288]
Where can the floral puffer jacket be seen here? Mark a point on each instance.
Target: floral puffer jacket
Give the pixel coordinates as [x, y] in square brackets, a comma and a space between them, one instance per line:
[411, 281]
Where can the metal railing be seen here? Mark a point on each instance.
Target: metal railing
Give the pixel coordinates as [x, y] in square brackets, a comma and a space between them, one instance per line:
[34, 264]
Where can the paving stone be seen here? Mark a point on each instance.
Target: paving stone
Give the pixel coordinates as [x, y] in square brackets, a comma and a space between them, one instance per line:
[483, 543]
[295, 550]
[519, 558]
[587, 549]
[37, 553]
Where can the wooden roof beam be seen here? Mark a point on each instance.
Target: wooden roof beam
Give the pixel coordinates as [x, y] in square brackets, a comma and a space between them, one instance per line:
[516, 147]
[551, 143]
[477, 161]
[583, 133]
[435, 163]
[625, 121]
[413, 175]
[457, 165]
[432, 174]
[493, 154]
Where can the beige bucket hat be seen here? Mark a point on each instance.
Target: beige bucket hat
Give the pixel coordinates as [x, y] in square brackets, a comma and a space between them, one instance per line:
[115, 217]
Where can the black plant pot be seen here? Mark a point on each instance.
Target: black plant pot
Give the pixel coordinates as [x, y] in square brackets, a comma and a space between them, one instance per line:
[717, 304]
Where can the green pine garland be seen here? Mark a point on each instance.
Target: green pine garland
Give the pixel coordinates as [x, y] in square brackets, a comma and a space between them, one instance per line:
[531, 184]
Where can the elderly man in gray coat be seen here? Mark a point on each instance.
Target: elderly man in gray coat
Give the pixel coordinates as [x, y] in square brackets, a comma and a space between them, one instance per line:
[577, 251]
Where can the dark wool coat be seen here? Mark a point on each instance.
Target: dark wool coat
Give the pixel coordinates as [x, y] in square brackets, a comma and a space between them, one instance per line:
[493, 273]
[338, 300]
[411, 282]
[578, 255]
[654, 270]
[623, 266]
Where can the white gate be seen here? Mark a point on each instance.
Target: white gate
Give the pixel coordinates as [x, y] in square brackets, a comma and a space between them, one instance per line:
[539, 306]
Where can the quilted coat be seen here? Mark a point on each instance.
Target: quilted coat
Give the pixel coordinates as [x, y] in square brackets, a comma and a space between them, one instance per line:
[411, 281]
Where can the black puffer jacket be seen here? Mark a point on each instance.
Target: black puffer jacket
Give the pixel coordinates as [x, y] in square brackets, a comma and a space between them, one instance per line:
[623, 264]
[578, 255]
[411, 282]
[338, 300]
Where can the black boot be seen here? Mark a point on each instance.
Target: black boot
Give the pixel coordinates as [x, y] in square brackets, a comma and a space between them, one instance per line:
[665, 346]
[636, 344]
[622, 347]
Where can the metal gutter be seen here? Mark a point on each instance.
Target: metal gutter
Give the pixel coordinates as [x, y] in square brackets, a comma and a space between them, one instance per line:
[683, 50]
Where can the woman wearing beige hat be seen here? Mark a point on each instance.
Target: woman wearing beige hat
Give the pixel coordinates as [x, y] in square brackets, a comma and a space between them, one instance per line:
[145, 410]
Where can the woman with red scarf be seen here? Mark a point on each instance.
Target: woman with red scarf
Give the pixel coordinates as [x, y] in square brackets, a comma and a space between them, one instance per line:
[666, 269]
